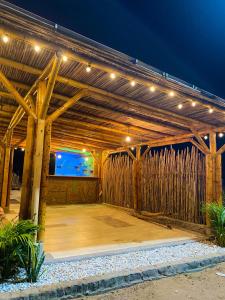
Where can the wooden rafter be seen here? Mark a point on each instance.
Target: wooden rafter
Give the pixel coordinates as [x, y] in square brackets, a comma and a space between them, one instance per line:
[128, 72]
[50, 86]
[16, 95]
[170, 116]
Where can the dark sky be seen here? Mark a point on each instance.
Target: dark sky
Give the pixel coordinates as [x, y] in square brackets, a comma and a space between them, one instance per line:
[185, 38]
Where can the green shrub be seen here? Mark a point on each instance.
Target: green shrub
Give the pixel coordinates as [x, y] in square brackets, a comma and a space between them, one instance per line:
[216, 213]
[32, 257]
[15, 239]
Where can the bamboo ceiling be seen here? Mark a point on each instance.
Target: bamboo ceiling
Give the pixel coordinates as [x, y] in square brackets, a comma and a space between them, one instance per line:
[112, 109]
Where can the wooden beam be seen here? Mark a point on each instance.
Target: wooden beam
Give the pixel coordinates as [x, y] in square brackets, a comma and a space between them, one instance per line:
[26, 189]
[37, 167]
[131, 154]
[221, 150]
[126, 70]
[200, 140]
[44, 182]
[16, 95]
[170, 116]
[50, 86]
[66, 106]
[5, 181]
[197, 145]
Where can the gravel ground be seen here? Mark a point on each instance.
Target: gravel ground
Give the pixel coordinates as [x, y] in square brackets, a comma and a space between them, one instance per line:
[59, 272]
[205, 285]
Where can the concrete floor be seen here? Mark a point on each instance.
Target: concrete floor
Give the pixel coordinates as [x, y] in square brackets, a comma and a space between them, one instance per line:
[95, 227]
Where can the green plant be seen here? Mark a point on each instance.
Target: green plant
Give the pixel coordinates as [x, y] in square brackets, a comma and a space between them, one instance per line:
[14, 236]
[32, 258]
[216, 213]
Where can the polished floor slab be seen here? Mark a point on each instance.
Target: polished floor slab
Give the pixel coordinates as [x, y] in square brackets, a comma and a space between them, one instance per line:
[97, 227]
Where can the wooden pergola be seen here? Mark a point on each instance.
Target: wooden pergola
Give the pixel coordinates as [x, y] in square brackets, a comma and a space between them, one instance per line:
[59, 89]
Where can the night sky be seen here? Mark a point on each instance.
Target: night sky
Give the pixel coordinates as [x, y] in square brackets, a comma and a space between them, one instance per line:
[185, 38]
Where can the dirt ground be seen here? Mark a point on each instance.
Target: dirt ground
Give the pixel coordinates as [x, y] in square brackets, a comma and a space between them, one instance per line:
[200, 285]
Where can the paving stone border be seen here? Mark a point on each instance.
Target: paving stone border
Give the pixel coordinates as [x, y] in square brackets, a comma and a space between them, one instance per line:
[101, 284]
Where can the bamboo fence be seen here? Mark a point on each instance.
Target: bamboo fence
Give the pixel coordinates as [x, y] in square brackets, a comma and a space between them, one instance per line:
[117, 181]
[172, 183]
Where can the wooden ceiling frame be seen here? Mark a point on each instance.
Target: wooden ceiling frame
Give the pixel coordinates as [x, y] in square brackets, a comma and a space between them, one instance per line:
[128, 72]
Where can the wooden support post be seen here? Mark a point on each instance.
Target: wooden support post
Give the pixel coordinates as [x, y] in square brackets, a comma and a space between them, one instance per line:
[37, 165]
[10, 179]
[103, 156]
[44, 182]
[25, 202]
[137, 180]
[6, 170]
[213, 174]
[2, 160]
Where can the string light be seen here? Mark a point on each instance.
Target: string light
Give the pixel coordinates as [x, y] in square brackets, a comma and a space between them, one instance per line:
[37, 48]
[86, 158]
[132, 148]
[152, 88]
[127, 139]
[171, 94]
[206, 137]
[5, 38]
[88, 69]
[59, 156]
[22, 149]
[65, 58]
[84, 150]
[221, 134]
[210, 110]
[15, 148]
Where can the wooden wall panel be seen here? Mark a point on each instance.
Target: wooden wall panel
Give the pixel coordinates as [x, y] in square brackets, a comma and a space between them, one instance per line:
[72, 190]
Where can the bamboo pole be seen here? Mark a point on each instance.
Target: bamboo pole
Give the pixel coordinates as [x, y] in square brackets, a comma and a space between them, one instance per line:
[2, 160]
[44, 182]
[10, 179]
[50, 86]
[6, 170]
[66, 106]
[37, 168]
[25, 202]
[17, 96]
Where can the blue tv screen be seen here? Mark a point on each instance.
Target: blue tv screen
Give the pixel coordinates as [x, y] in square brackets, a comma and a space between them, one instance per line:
[73, 164]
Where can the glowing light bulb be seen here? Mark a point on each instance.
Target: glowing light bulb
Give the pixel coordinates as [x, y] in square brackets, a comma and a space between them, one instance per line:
[22, 149]
[59, 156]
[37, 48]
[84, 150]
[221, 134]
[132, 148]
[132, 83]
[152, 88]
[15, 148]
[128, 139]
[86, 158]
[171, 94]
[193, 103]
[210, 110]
[180, 106]
[5, 38]
[65, 58]
[206, 137]
[88, 69]
[112, 75]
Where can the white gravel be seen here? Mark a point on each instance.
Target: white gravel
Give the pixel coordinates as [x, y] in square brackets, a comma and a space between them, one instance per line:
[87, 267]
